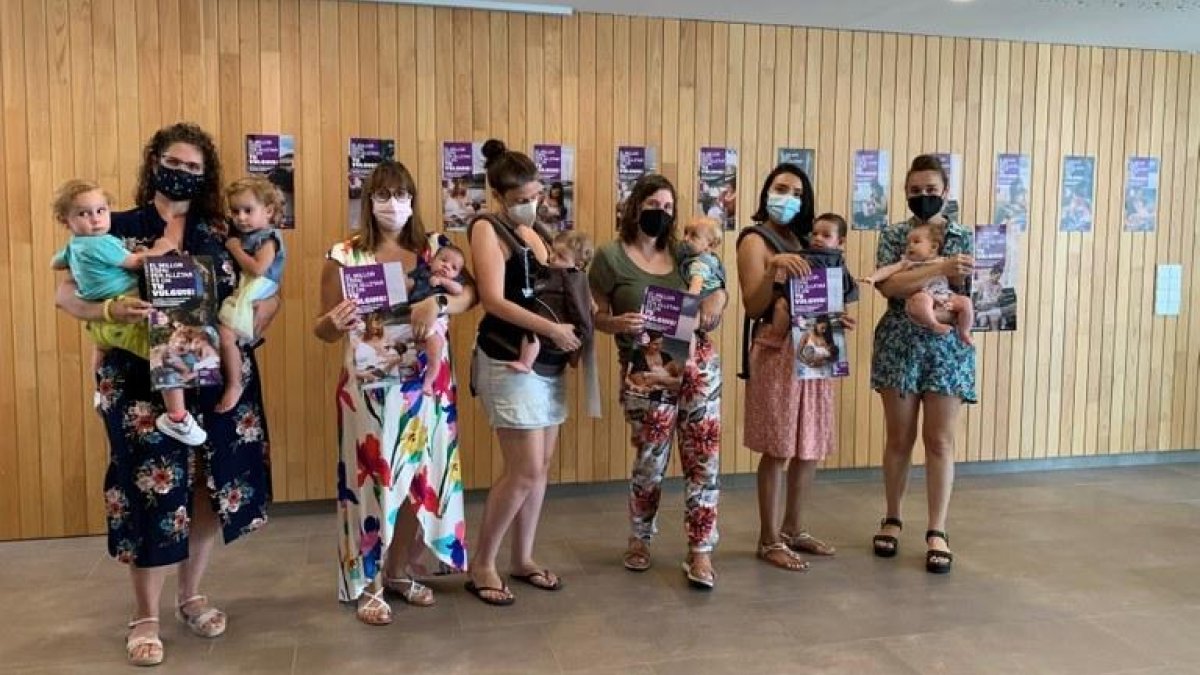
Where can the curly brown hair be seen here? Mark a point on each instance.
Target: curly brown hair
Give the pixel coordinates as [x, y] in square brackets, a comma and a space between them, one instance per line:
[263, 190]
[645, 186]
[208, 205]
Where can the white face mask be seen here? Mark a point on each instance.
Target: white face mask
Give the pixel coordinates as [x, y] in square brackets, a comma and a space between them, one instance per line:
[523, 214]
[393, 214]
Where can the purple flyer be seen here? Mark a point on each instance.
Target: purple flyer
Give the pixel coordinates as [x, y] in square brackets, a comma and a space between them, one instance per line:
[375, 287]
[464, 191]
[993, 283]
[556, 168]
[821, 292]
[654, 370]
[869, 201]
[633, 162]
[184, 343]
[274, 156]
[1012, 191]
[1077, 207]
[1141, 194]
[818, 335]
[717, 186]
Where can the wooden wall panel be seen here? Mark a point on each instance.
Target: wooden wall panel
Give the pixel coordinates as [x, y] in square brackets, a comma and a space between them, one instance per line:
[83, 83]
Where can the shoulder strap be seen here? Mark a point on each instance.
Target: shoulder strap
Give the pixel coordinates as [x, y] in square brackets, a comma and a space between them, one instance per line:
[503, 230]
[774, 241]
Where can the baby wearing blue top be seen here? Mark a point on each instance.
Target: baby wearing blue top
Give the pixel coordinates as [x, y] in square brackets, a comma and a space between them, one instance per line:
[255, 208]
[104, 271]
[701, 268]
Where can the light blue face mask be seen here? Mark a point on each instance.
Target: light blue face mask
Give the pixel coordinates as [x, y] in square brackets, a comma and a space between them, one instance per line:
[782, 208]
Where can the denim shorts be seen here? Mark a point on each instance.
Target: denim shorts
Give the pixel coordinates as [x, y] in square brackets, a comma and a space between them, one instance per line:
[515, 400]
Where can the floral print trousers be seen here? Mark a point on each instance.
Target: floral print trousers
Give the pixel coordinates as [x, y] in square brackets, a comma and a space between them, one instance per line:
[696, 415]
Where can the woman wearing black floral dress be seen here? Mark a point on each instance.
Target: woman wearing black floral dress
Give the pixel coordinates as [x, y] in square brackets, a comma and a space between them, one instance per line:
[166, 501]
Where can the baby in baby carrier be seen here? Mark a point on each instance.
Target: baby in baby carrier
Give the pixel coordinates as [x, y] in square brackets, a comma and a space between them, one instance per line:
[563, 296]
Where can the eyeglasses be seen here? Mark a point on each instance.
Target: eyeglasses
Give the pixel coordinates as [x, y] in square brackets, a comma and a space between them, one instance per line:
[384, 194]
[176, 163]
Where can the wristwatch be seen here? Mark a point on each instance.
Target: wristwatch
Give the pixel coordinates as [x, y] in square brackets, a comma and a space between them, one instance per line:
[442, 302]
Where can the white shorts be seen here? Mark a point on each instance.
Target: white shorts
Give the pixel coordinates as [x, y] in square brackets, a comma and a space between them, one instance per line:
[515, 400]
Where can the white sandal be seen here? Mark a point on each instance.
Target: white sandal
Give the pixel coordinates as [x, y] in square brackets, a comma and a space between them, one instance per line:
[376, 600]
[202, 624]
[133, 645]
[412, 591]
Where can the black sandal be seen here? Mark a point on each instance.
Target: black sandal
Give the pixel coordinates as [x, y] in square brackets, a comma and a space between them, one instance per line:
[478, 591]
[938, 562]
[885, 545]
[532, 577]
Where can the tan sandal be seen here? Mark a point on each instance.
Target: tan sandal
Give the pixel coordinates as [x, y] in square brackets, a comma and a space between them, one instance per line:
[411, 591]
[778, 554]
[803, 542]
[209, 623]
[698, 576]
[637, 556]
[138, 645]
[367, 612]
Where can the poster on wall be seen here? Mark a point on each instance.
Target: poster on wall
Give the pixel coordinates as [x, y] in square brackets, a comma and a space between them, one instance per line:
[1012, 192]
[952, 163]
[805, 158]
[633, 162]
[869, 202]
[365, 154]
[1141, 194]
[1076, 210]
[994, 281]
[556, 168]
[274, 156]
[717, 189]
[463, 183]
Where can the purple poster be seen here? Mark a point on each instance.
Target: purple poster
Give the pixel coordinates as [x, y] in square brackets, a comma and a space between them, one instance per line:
[1141, 194]
[818, 334]
[463, 183]
[717, 189]
[1012, 191]
[869, 201]
[556, 168]
[1078, 194]
[655, 369]
[374, 287]
[633, 162]
[993, 283]
[805, 158]
[274, 156]
[365, 154]
[184, 344]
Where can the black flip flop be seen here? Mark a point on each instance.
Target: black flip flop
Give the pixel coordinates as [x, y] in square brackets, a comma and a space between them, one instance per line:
[478, 591]
[544, 574]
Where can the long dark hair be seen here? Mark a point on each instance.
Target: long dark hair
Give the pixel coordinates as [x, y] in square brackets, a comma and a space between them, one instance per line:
[802, 222]
[645, 186]
[393, 175]
[208, 205]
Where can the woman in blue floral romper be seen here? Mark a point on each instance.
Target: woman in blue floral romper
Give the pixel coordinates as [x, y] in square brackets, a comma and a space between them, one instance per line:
[913, 368]
[166, 502]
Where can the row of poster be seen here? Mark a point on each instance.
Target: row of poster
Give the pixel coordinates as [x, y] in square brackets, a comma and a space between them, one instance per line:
[464, 191]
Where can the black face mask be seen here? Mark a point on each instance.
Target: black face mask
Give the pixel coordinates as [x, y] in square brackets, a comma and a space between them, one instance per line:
[178, 185]
[925, 207]
[654, 222]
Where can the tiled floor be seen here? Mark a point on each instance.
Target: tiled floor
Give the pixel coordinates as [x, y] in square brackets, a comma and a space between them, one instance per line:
[1094, 571]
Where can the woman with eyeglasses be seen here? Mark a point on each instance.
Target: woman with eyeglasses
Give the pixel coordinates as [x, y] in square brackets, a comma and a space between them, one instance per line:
[399, 482]
[167, 502]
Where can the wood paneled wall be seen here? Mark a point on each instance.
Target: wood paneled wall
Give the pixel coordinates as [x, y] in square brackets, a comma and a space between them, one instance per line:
[83, 84]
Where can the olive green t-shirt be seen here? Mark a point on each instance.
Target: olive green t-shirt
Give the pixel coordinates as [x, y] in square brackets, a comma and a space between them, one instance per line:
[615, 276]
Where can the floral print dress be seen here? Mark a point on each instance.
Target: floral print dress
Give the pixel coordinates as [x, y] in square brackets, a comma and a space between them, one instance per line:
[912, 359]
[397, 444]
[148, 485]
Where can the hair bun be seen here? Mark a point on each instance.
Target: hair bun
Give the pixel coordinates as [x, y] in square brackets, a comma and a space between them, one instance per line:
[493, 149]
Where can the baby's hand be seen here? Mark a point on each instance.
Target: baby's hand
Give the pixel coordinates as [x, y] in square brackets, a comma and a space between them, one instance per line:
[233, 244]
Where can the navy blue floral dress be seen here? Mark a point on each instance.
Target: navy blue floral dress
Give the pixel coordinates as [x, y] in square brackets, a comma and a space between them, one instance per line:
[147, 488]
[912, 359]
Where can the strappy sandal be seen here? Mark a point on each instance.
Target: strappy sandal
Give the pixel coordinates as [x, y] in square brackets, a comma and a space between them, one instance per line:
[699, 581]
[209, 623]
[885, 545]
[637, 556]
[135, 645]
[803, 542]
[778, 549]
[366, 611]
[411, 591]
[938, 562]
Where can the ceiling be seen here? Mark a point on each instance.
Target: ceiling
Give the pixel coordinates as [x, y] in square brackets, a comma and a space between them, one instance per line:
[1148, 24]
